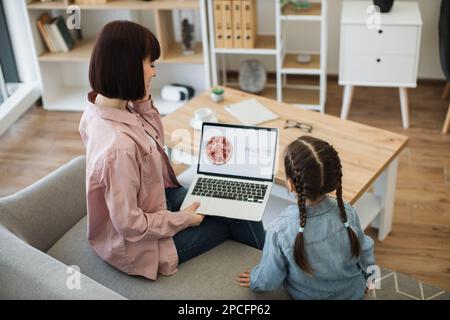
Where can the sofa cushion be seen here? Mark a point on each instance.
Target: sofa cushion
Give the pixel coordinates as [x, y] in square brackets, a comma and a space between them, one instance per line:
[43, 212]
[27, 273]
[209, 276]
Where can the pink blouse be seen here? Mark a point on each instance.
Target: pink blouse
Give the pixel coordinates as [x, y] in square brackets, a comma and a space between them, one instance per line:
[127, 171]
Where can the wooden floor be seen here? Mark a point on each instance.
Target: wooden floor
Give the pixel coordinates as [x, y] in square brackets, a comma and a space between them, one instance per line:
[419, 244]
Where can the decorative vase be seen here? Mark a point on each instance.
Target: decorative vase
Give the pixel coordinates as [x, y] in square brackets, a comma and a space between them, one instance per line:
[252, 76]
[384, 5]
[187, 18]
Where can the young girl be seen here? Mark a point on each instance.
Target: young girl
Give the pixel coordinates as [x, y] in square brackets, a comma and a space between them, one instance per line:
[316, 248]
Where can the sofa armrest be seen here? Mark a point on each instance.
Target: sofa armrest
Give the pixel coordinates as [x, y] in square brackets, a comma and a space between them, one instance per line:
[43, 212]
[27, 273]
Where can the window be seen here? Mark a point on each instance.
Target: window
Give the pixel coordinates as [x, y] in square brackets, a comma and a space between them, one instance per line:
[8, 68]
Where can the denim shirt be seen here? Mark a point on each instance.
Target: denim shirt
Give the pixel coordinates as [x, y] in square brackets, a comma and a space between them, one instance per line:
[336, 274]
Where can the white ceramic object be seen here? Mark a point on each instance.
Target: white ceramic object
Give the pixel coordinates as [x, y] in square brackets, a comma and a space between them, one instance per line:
[303, 58]
[197, 124]
[202, 114]
[252, 76]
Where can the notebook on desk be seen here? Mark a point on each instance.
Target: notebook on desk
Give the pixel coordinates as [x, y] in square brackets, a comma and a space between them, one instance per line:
[250, 112]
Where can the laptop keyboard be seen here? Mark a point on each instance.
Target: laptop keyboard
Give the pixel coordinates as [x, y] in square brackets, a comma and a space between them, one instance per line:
[233, 190]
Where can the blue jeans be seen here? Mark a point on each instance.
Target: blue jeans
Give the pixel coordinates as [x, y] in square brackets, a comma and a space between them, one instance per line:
[194, 241]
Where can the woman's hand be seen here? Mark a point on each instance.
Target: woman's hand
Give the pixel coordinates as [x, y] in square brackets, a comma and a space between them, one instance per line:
[194, 219]
[244, 279]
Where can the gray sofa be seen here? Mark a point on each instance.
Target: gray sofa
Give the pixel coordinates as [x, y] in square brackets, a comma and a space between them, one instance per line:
[43, 231]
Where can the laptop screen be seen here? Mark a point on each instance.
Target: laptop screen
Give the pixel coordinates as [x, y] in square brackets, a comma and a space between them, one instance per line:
[238, 151]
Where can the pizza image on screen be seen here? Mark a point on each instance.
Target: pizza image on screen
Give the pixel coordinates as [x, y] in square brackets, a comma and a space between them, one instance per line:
[219, 149]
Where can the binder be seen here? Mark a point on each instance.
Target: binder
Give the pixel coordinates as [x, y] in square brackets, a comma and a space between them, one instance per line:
[249, 23]
[218, 23]
[237, 23]
[227, 20]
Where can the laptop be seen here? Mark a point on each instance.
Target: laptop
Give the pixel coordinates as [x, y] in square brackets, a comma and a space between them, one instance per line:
[235, 171]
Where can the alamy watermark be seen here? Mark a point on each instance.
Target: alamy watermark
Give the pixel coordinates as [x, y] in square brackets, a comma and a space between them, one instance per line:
[374, 19]
[255, 147]
[73, 281]
[73, 20]
[374, 280]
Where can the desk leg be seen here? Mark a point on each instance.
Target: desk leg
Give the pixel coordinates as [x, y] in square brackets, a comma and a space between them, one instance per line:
[447, 121]
[385, 188]
[347, 101]
[404, 106]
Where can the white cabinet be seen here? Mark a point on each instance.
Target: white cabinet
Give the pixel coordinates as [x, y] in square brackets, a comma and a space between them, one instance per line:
[380, 50]
[378, 70]
[387, 39]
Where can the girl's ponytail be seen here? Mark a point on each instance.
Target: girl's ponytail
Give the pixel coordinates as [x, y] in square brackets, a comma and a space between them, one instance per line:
[354, 242]
[299, 248]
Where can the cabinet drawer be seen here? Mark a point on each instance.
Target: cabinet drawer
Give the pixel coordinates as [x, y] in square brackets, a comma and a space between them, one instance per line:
[378, 69]
[389, 39]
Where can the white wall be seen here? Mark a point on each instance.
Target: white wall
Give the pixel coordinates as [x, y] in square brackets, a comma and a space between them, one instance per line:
[305, 36]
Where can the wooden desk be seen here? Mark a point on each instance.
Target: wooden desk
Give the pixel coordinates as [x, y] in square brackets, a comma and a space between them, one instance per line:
[369, 155]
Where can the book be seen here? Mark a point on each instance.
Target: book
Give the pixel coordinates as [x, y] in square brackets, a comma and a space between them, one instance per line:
[249, 23]
[52, 37]
[218, 23]
[251, 112]
[227, 23]
[41, 22]
[61, 44]
[65, 33]
[55, 33]
[237, 23]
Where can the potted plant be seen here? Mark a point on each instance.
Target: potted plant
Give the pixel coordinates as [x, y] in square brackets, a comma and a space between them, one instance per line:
[295, 5]
[217, 94]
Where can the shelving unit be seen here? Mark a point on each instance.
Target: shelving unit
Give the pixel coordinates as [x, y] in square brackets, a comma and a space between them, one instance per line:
[119, 4]
[291, 66]
[314, 13]
[65, 75]
[81, 52]
[265, 44]
[308, 96]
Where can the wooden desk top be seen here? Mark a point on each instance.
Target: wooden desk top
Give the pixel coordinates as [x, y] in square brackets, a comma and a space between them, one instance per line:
[364, 151]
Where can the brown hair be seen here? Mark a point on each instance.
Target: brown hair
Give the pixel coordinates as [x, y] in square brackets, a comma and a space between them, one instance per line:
[315, 168]
[116, 70]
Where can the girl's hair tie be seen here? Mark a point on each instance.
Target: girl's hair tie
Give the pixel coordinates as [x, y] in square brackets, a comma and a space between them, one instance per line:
[300, 229]
[346, 224]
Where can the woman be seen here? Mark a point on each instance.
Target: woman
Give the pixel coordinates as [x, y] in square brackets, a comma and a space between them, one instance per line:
[133, 196]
